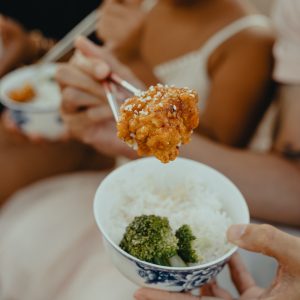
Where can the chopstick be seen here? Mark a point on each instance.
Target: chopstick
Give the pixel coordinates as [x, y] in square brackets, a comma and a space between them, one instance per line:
[85, 28]
[108, 89]
[125, 84]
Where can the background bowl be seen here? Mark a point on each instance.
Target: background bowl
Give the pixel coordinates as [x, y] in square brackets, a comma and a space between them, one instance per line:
[41, 116]
[147, 274]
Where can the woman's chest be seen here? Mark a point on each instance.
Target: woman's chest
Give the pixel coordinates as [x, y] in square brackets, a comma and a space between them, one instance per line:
[173, 35]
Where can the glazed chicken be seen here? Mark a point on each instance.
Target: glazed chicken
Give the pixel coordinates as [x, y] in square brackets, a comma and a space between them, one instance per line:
[157, 122]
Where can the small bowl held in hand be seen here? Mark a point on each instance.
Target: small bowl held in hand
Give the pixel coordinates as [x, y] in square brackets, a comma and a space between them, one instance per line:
[38, 115]
[110, 196]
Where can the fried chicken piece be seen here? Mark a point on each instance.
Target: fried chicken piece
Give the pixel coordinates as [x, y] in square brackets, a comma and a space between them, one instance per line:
[24, 94]
[157, 122]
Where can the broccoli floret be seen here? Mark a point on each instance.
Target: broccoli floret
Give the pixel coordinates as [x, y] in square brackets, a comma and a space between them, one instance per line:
[187, 245]
[150, 238]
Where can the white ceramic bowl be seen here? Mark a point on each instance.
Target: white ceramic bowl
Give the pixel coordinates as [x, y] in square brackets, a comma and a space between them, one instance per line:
[41, 116]
[147, 274]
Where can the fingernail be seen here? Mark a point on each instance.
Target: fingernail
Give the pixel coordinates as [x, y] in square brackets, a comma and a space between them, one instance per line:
[101, 71]
[139, 296]
[235, 232]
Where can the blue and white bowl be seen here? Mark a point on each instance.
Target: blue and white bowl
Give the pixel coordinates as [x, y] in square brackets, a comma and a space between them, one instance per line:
[151, 275]
[41, 116]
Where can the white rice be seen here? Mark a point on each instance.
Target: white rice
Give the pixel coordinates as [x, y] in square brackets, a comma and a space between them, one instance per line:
[190, 202]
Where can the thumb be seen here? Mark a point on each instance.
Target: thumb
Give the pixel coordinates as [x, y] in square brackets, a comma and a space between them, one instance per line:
[267, 240]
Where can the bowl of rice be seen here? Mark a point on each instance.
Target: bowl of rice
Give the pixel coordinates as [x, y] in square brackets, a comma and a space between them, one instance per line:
[185, 192]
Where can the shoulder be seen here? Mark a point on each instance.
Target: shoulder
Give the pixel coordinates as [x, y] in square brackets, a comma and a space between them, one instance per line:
[255, 39]
[253, 45]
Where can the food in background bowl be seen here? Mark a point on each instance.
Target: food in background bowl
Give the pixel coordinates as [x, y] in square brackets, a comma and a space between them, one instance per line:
[157, 122]
[23, 94]
[39, 115]
[190, 200]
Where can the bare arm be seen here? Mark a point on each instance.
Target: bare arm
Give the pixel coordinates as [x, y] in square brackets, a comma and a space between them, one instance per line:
[240, 79]
[269, 182]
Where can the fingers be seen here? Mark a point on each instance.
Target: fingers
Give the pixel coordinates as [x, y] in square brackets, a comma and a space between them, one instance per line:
[90, 50]
[93, 67]
[220, 293]
[241, 278]
[150, 294]
[68, 75]
[268, 240]
[213, 290]
[99, 114]
[103, 137]
[79, 123]
[74, 100]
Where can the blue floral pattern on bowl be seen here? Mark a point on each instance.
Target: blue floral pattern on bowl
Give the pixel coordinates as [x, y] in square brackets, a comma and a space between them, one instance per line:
[183, 280]
[19, 117]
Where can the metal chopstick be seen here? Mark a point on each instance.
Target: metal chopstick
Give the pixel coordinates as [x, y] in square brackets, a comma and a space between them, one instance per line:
[108, 89]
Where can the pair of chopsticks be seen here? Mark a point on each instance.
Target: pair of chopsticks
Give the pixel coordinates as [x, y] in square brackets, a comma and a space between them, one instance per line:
[109, 90]
[86, 27]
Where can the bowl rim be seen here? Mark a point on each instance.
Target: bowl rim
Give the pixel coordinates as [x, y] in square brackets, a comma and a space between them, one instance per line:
[224, 257]
[24, 107]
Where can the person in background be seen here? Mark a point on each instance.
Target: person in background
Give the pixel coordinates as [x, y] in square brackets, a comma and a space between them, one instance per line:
[222, 49]
[161, 46]
[27, 31]
[257, 174]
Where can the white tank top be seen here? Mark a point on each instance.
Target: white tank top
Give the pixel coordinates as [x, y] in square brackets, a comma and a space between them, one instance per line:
[191, 69]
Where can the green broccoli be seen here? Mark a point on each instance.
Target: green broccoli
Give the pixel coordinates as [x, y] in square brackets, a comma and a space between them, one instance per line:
[188, 245]
[150, 238]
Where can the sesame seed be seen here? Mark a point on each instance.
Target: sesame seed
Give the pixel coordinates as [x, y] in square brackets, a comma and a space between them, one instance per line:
[128, 107]
[144, 113]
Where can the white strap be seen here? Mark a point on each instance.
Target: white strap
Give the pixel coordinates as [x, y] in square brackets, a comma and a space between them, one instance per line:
[232, 29]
